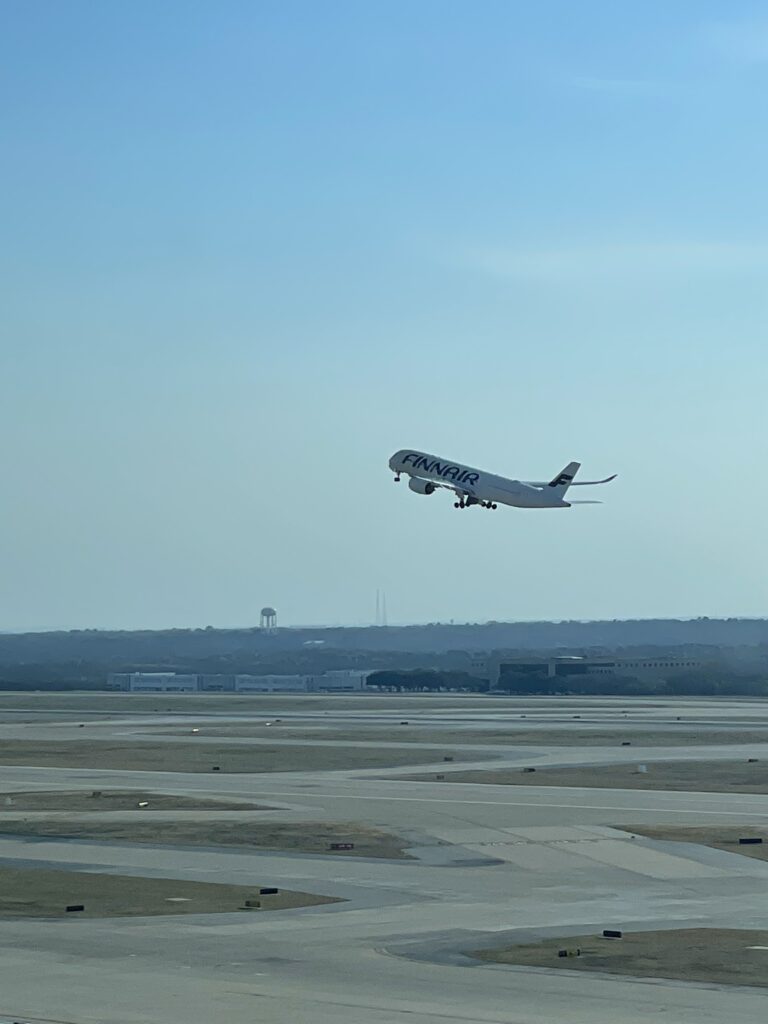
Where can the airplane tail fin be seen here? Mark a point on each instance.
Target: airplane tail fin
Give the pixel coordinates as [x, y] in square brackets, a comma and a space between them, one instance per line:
[563, 480]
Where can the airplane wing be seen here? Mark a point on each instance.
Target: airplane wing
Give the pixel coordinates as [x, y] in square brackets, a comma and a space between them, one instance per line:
[585, 502]
[458, 490]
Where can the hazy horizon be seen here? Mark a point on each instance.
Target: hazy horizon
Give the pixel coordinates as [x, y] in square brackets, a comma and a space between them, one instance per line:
[449, 623]
[252, 250]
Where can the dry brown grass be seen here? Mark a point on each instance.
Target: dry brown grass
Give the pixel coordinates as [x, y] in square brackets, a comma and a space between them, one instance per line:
[721, 837]
[116, 800]
[511, 736]
[29, 892]
[711, 955]
[693, 776]
[295, 837]
[202, 757]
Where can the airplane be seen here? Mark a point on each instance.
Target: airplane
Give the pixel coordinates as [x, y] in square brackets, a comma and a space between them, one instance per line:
[427, 473]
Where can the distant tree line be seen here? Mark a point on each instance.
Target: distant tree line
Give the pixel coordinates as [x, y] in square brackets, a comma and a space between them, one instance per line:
[699, 682]
[84, 674]
[434, 638]
[427, 681]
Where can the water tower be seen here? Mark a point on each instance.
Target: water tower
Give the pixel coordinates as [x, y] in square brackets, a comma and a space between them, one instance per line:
[268, 620]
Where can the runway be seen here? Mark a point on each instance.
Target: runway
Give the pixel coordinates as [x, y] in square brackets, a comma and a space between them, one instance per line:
[488, 862]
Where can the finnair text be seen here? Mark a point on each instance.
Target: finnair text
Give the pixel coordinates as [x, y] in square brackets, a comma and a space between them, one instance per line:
[445, 470]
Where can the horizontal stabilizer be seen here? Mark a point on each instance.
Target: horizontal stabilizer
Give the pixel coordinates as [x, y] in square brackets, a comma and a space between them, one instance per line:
[591, 483]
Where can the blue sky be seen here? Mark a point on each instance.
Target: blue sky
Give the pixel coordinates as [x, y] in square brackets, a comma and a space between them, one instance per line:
[252, 249]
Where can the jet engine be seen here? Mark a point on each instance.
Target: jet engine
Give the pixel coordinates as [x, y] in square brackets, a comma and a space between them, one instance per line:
[421, 486]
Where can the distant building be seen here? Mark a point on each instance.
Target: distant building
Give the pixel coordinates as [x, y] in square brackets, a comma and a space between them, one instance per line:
[339, 681]
[270, 684]
[650, 667]
[153, 682]
[572, 665]
[217, 683]
[479, 666]
[342, 680]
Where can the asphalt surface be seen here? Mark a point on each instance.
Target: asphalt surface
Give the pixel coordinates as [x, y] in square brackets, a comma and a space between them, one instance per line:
[491, 864]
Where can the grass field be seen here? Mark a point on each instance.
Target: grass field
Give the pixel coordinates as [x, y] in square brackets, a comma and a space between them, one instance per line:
[115, 800]
[157, 756]
[512, 736]
[302, 837]
[721, 837]
[186, 703]
[28, 892]
[692, 776]
[711, 955]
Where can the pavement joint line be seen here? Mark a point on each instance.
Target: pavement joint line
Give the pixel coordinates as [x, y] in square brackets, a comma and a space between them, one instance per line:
[517, 803]
[529, 803]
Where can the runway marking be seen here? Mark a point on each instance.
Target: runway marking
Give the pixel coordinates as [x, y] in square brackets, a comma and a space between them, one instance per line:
[512, 803]
[297, 796]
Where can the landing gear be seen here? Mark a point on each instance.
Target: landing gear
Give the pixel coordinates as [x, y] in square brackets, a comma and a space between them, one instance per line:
[397, 478]
[465, 501]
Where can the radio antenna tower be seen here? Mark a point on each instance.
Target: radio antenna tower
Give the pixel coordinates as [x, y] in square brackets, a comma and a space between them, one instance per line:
[381, 608]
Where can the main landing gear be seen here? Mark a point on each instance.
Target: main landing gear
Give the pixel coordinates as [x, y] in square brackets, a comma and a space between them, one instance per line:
[467, 502]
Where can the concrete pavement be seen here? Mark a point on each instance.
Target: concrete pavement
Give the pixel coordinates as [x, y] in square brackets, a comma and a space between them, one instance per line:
[490, 861]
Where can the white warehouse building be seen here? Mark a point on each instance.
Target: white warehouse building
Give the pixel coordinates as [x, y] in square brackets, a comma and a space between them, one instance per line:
[342, 680]
[270, 684]
[339, 681]
[154, 682]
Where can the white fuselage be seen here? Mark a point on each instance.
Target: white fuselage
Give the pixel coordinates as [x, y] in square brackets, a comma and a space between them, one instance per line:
[474, 482]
